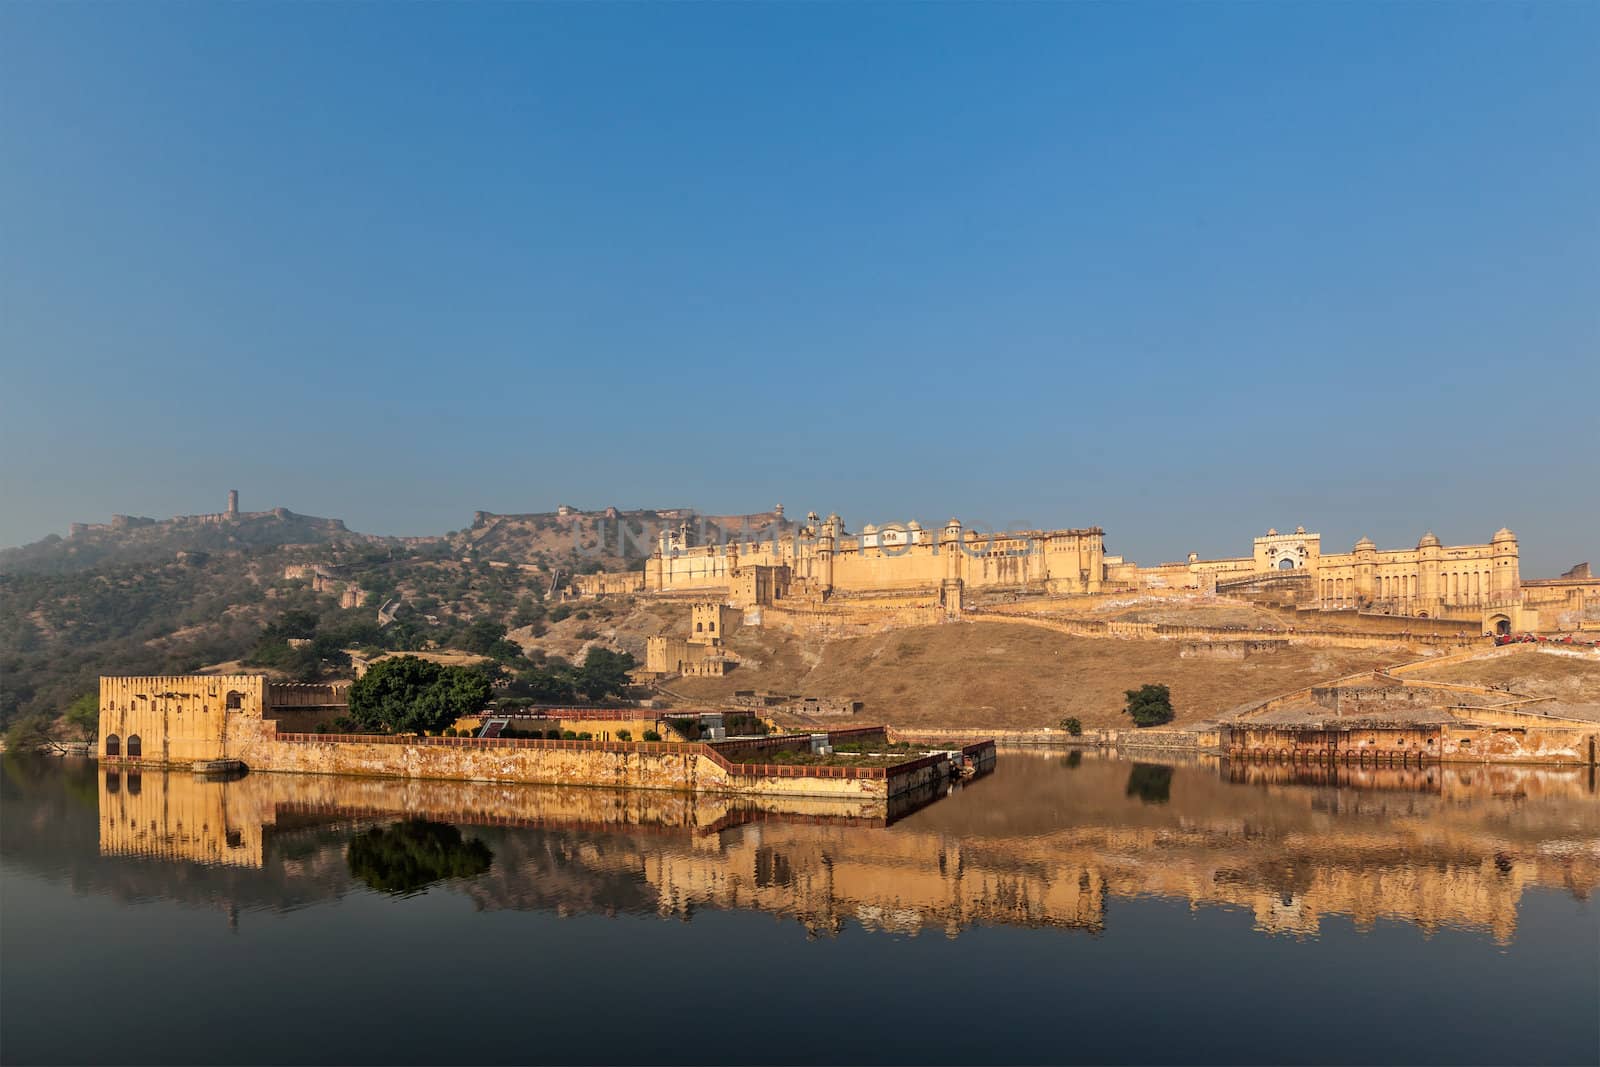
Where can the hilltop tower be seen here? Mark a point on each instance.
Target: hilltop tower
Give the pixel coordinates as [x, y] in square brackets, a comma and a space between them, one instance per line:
[233, 503]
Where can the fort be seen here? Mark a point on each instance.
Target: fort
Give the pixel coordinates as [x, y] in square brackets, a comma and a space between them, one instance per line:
[231, 515]
[199, 720]
[818, 574]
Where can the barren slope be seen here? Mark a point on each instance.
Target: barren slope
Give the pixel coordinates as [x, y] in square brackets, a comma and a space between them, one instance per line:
[1011, 675]
[1565, 676]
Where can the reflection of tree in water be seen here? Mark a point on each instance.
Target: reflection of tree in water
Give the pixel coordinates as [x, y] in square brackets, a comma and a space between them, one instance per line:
[413, 854]
[1150, 782]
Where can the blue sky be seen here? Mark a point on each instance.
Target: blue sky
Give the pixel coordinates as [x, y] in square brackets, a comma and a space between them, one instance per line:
[1185, 272]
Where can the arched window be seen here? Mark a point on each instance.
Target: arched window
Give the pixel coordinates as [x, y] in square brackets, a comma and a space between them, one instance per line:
[234, 699]
[699, 627]
[135, 748]
[113, 745]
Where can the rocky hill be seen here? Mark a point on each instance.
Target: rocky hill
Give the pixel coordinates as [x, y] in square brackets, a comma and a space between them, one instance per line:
[133, 540]
[277, 590]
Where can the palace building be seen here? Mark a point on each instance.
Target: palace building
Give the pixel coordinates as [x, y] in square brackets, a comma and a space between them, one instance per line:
[820, 562]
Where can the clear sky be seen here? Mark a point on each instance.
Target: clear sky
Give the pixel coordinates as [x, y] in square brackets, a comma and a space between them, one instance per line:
[1185, 271]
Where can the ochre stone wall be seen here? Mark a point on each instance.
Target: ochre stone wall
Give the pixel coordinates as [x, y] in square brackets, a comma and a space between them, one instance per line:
[686, 767]
[173, 718]
[184, 718]
[822, 558]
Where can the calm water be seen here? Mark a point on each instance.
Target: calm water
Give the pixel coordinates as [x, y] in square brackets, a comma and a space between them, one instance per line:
[1060, 909]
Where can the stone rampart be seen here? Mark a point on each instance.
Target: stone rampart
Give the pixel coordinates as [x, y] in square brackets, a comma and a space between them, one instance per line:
[689, 767]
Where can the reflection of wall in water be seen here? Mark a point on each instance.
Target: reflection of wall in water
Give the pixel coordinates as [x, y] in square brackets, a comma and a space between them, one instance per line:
[180, 817]
[1437, 847]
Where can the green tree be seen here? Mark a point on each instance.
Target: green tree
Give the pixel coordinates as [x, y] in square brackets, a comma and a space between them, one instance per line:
[31, 733]
[1150, 705]
[408, 694]
[83, 716]
[1072, 726]
[604, 673]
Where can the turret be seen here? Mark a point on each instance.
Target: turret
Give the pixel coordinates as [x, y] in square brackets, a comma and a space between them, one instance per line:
[1506, 581]
[1429, 556]
[826, 541]
[950, 545]
[1366, 565]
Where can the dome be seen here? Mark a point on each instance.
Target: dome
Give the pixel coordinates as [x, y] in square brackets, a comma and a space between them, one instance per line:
[1365, 542]
[1272, 532]
[1503, 534]
[953, 521]
[869, 529]
[913, 525]
[1428, 541]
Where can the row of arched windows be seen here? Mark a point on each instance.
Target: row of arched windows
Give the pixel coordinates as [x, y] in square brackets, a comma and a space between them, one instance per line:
[1463, 587]
[114, 746]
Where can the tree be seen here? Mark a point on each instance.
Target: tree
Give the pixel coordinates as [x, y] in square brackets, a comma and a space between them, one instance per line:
[1150, 705]
[545, 686]
[83, 716]
[408, 694]
[603, 673]
[30, 733]
[295, 623]
[1072, 726]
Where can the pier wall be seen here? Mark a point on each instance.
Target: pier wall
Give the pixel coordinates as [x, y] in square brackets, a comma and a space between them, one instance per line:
[687, 767]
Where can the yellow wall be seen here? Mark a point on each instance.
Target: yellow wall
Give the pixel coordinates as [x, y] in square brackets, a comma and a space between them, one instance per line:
[825, 559]
[177, 718]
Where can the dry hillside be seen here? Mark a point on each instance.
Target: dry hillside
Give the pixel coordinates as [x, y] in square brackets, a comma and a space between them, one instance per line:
[1011, 675]
[1562, 675]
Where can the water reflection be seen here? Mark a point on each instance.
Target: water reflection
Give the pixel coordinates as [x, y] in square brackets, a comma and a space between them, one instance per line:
[1044, 841]
[414, 854]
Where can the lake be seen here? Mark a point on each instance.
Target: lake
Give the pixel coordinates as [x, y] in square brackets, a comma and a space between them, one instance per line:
[1065, 908]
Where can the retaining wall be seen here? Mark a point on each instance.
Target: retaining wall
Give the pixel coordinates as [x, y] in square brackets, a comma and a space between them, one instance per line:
[689, 767]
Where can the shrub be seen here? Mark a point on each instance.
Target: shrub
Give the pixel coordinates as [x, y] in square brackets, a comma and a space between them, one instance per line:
[450, 731]
[651, 735]
[1072, 726]
[1150, 705]
[553, 735]
[569, 735]
[586, 736]
[587, 634]
[624, 735]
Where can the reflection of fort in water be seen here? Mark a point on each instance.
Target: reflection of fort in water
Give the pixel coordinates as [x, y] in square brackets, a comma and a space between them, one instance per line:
[1045, 841]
